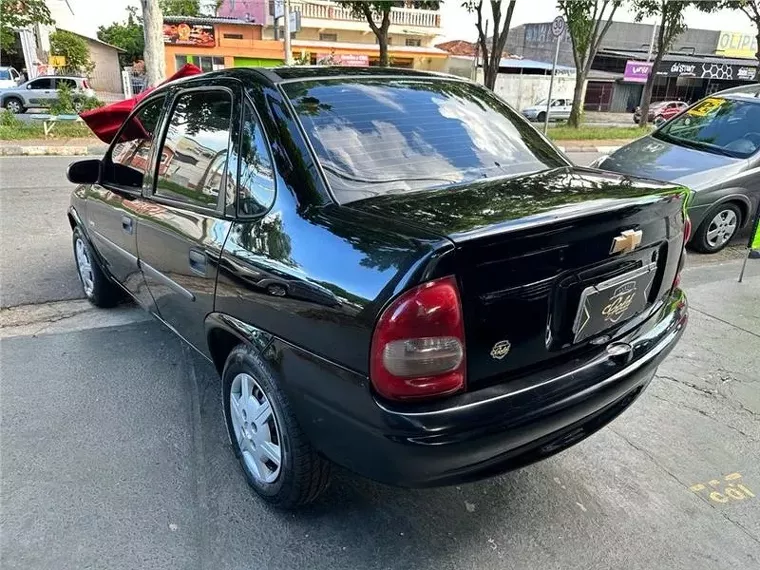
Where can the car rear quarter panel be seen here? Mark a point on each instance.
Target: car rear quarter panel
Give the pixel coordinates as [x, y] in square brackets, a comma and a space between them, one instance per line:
[317, 278]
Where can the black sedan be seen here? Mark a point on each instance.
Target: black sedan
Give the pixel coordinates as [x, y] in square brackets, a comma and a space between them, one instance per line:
[714, 149]
[391, 271]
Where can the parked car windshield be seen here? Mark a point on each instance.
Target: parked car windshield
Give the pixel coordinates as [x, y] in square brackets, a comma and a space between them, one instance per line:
[375, 137]
[722, 126]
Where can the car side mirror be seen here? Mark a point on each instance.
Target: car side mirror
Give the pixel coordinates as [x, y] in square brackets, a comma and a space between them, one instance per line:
[84, 171]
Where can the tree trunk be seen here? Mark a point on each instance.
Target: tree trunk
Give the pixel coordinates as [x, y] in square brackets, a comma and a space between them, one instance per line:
[648, 87]
[579, 94]
[153, 22]
[383, 43]
[489, 77]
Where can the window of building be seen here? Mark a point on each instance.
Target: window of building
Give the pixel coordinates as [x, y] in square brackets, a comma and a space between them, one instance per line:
[233, 36]
[413, 42]
[328, 37]
[132, 148]
[205, 62]
[256, 187]
[196, 149]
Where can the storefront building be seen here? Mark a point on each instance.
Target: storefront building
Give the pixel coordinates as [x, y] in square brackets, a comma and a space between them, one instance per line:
[217, 43]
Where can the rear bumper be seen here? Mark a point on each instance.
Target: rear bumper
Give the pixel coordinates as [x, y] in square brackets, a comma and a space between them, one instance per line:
[493, 430]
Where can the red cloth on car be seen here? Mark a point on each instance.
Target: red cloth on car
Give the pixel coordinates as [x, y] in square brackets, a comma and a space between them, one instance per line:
[106, 121]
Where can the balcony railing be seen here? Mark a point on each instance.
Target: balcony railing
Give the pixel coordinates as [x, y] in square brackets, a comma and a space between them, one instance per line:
[399, 16]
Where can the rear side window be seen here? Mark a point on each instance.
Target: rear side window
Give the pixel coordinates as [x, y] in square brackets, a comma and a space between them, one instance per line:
[375, 137]
[195, 163]
[132, 148]
[255, 191]
[67, 82]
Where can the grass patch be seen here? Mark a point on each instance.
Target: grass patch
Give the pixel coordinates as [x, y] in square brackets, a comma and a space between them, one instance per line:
[596, 133]
[35, 130]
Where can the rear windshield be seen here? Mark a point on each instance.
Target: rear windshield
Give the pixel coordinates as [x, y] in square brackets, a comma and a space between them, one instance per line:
[383, 136]
[729, 127]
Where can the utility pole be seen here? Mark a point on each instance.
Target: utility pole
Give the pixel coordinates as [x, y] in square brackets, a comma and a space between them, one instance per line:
[153, 29]
[286, 26]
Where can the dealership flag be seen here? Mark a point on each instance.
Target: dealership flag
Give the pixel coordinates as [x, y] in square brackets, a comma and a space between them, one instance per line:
[106, 121]
[754, 243]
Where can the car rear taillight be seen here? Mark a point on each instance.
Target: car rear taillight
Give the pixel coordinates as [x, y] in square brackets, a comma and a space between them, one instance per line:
[85, 84]
[418, 346]
[682, 260]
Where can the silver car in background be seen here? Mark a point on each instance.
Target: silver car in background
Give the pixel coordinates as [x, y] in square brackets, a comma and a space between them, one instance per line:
[559, 110]
[42, 92]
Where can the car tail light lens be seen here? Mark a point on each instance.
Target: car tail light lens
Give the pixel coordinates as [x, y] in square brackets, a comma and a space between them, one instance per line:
[418, 348]
[85, 84]
[682, 260]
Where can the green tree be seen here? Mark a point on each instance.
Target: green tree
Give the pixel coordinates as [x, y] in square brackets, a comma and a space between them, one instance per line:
[180, 7]
[671, 26]
[492, 57]
[73, 48]
[587, 22]
[16, 14]
[378, 15]
[127, 35]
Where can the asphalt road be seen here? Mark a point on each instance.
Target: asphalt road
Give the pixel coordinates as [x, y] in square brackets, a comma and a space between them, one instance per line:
[114, 453]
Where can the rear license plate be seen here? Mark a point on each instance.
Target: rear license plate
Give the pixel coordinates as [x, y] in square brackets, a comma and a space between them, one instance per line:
[604, 305]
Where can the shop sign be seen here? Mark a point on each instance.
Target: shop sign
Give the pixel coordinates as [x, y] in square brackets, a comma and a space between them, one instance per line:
[189, 35]
[348, 59]
[737, 44]
[637, 71]
[715, 69]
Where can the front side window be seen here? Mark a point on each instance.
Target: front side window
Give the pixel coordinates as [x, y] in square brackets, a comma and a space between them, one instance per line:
[717, 125]
[196, 148]
[380, 136]
[133, 143]
[44, 83]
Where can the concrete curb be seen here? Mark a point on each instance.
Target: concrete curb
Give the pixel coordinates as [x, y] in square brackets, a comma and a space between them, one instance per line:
[38, 150]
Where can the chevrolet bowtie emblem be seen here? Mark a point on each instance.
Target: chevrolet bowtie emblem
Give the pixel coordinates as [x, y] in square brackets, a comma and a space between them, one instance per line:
[626, 241]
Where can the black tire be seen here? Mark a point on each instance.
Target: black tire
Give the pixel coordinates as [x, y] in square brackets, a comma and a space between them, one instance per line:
[14, 105]
[303, 474]
[541, 117]
[700, 242]
[103, 292]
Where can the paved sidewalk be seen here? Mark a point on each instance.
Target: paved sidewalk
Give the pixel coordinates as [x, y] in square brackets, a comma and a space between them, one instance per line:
[53, 147]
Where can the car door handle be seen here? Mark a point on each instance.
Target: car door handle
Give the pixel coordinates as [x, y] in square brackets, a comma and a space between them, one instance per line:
[197, 261]
[126, 224]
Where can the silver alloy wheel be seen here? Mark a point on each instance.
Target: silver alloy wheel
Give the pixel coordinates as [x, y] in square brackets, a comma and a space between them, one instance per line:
[13, 106]
[722, 228]
[84, 266]
[256, 429]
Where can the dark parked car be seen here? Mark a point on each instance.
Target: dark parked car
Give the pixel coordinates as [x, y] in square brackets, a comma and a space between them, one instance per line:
[660, 111]
[714, 149]
[394, 272]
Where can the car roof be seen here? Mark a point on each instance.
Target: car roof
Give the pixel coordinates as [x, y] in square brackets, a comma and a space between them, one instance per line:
[275, 75]
[751, 90]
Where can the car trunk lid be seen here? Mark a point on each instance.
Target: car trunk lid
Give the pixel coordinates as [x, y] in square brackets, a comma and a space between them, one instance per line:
[539, 258]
